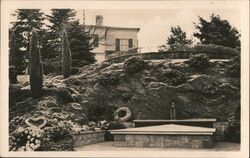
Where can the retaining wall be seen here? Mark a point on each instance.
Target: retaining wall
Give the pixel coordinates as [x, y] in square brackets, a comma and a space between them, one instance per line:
[89, 137]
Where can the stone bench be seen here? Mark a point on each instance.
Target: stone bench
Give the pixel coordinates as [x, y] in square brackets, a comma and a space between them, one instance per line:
[164, 136]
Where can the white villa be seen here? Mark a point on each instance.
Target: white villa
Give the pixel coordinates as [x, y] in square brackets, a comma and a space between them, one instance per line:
[109, 40]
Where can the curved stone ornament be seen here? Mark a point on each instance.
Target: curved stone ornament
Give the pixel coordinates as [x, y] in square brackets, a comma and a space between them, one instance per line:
[59, 116]
[54, 109]
[38, 122]
[126, 117]
[76, 106]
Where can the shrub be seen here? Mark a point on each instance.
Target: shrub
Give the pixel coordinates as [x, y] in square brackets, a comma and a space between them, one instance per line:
[25, 139]
[212, 48]
[199, 61]
[12, 75]
[80, 63]
[73, 81]
[101, 108]
[134, 64]
[174, 77]
[57, 139]
[232, 133]
[15, 121]
[110, 78]
[234, 69]
[67, 95]
[35, 67]
[74, 70]
[209, 90]
[52, 66]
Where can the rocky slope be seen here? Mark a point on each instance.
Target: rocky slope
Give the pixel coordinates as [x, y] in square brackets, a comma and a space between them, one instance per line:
[146, 87]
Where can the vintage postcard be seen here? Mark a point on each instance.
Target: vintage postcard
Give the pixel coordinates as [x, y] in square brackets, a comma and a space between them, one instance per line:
[124, 78]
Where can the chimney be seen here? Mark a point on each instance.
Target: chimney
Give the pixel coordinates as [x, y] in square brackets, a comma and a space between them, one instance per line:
[99, 20]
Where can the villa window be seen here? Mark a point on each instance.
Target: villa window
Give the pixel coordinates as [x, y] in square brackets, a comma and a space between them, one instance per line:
[117, 44]
[130, 43]
[123, 44]
[96, 40]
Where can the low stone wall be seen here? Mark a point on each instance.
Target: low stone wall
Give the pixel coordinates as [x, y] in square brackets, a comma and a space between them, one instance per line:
[164, 141]
[172, 55]
[89, 137]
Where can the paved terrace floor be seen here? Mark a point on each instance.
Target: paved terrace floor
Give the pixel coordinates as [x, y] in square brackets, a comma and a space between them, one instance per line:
[108, 146]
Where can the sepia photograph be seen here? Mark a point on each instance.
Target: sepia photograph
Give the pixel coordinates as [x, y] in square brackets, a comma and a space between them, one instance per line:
[106, 78]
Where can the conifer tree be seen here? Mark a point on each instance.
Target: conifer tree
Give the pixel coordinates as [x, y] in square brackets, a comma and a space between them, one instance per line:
[35, 66]
[217, 31]
[66, 55]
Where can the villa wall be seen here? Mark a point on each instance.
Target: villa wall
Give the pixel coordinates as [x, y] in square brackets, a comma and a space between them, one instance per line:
[108, 44]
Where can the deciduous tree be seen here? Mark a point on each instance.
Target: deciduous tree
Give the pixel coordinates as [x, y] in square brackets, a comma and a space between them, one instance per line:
[178, 38]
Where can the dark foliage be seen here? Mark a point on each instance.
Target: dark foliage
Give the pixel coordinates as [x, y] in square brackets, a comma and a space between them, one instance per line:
[80, 45]
[234, 69]
[52, 66]
[177, 39]
[217, 31]
[27, 19]
[66, 56]
[209, 91]
[232, 133]
[134, 65]
[57, 139]
[25, 139]
[110, 78]
[199, 61]
[100, 108]
[173, 77]
[66, 95]
[35, 67]
[58, 19]
[74, 70]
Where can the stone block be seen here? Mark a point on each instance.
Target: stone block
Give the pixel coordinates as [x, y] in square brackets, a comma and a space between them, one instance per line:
[196, 144]
[207, 144]
[88, 138]
[120, 138]
[139, 144]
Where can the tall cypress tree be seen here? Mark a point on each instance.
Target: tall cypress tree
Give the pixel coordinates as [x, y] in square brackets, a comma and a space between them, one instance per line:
[35, 66]
[66, 55]
[13, 58]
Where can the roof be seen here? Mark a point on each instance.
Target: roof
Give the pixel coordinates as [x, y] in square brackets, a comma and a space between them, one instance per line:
[114, 27]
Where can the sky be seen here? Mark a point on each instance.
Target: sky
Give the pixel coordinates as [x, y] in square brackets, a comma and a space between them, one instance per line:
[155, 24]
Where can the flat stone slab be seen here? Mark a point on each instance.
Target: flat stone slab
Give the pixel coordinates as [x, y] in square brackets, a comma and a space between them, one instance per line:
[170, 129]
[184, 120]
[191, 122]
